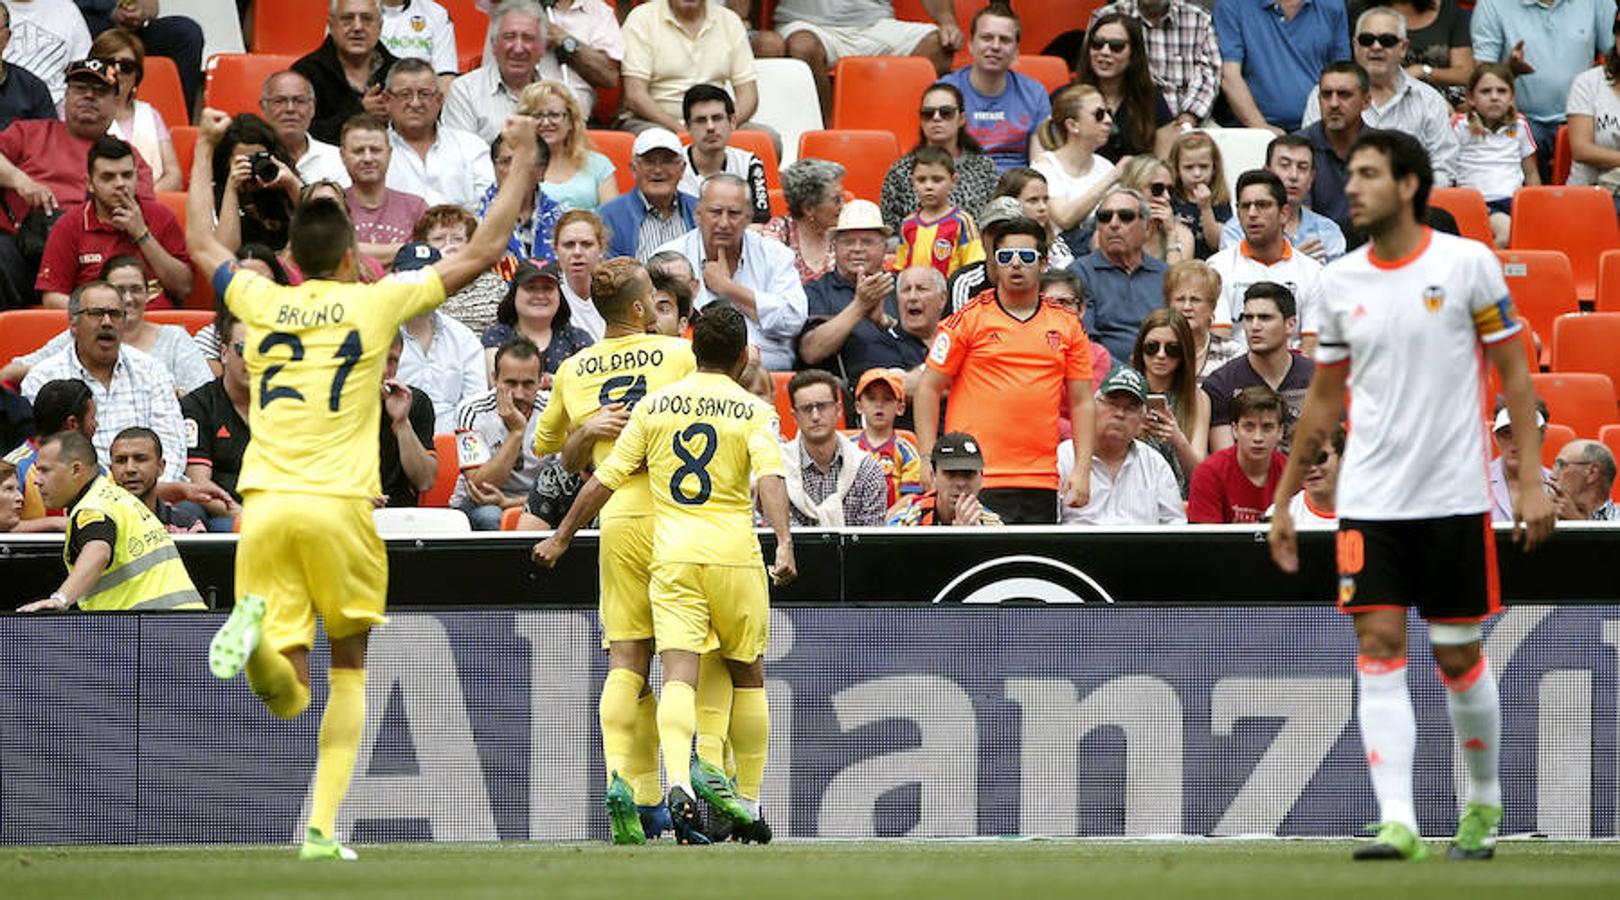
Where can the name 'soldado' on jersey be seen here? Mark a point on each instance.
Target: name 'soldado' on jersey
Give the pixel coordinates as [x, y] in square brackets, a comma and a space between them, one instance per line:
[618, 361]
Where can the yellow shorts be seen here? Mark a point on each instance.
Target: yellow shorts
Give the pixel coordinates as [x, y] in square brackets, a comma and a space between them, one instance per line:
[625, 554]
[308, 555]
[700, 608]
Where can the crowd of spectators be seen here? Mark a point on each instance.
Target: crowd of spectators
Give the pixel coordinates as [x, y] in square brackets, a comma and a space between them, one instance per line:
[1053, 311]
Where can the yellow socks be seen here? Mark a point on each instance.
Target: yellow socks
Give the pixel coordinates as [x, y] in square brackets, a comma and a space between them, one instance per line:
[341, 723]
[643, 765]
[750, 739]
[617, 712]
[677, 719]
[713, 709]
[274, 680]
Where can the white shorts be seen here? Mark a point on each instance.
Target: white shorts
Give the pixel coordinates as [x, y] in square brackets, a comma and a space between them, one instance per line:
[885, 37]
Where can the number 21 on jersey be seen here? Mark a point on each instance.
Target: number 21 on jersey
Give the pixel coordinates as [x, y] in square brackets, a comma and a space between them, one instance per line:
[349, 352]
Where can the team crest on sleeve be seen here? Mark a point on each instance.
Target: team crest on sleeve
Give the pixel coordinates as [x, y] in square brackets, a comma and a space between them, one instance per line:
[191, 432]
[942, 348]
[1434, 297]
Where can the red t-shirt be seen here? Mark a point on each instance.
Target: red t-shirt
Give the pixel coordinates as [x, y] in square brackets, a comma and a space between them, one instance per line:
[1221, 494]
[46, 151]
[80, 244]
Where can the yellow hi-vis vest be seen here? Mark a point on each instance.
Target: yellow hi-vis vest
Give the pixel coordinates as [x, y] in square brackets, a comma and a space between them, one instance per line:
[145, 571]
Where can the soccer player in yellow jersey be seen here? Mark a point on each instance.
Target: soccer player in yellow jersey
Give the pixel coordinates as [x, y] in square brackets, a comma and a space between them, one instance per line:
[315, 356]
[592, 394]
[700, 440]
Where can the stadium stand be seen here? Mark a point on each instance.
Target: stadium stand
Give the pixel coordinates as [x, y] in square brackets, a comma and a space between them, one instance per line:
[1542, 217]
[1051, 71]
[879, 93]
[472, 32]
[1241, 149]
[234, 81]
[509, 518]
[1584, 401]
[1553, 441]
[1608, 284]
[792, 109]
[161, 87]
[185, 147]
[615, 145]
[411, 521]
[444, 480]
[175, 202]
[1610, 436]
[1563, 157]
[221, 26]
[192, 320]
[1467, 206]
[289, 26]
[26, 330]
[1587, 342]
[865, 155]
[1543, 288]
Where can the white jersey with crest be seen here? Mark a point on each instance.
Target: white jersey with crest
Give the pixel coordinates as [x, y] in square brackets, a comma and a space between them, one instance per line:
[1413, 332]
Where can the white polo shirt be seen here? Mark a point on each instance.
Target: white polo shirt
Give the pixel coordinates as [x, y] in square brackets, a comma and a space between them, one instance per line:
[457, 168]
[1238, 268]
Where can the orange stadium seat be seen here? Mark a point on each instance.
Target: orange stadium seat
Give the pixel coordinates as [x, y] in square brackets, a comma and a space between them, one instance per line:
[615, 145]
[1563, 157]
[444, 480]
[1582, 400]
[784, 407]
[778, 203]
[1587, 343]
[1608, 285]
[509, 518]
[1610, 436]
[1579, 221]
[202, 289]
[1467, 206]
[880, 93]
[160, 86]
[192, 320]
[235, 81]
[1051, 71]
[26, 330]
[185, 147]
[1543, 288]
[472, 31]
[865, 155]
[1554, 440]
[175, 202]
[289, 26]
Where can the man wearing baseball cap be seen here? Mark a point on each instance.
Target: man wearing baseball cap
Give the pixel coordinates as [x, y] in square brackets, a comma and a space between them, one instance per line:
[954, 500]
[1131, 483]
[49, 170]
[441, 356]
[880, 399]
[1504, 469]
[656, 212]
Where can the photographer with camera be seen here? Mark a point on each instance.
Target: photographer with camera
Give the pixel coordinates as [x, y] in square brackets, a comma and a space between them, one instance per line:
[255, 185]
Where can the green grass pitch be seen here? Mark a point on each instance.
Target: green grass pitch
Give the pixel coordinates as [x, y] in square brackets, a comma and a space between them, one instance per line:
[1002, 870]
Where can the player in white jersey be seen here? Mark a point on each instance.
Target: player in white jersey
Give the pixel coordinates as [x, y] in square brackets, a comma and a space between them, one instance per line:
[1416, 313]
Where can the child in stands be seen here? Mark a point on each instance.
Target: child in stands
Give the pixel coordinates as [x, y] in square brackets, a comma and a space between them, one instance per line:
[1496, 154]
[939, 234]
[880, 396]
[1199, 196]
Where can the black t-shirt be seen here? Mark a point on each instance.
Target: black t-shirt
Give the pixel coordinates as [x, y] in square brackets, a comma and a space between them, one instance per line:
[1225, 383]
[395, 484]
[215, 434]
[1119, 143]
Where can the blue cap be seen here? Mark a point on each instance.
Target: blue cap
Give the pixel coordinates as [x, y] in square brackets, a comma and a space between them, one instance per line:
[416, 255]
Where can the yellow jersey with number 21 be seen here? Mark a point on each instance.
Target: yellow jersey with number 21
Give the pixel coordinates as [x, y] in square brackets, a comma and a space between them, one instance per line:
[315, 354]
[701, 438]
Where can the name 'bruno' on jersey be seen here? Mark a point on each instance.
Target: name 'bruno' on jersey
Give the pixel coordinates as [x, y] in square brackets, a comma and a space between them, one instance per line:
[614, 370]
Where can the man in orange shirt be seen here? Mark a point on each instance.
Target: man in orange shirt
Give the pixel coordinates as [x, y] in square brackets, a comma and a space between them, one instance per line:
[1009, 358]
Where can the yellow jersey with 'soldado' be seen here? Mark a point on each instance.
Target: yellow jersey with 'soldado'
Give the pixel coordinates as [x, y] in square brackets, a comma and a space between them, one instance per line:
[701, 438]
[145, 571]
[615, 370]
[315, 354]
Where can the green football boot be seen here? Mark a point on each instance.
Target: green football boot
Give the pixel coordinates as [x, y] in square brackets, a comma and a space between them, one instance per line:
[1394, 841]
[236, 640]
[319, 846]
[1476, 832]
[623, 817]
[711, 783]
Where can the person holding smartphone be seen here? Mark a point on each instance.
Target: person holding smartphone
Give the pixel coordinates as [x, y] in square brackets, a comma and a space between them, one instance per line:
[1175, 419]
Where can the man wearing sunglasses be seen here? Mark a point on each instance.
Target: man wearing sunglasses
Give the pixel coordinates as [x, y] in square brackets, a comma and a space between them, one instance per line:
[1004, 358]
[1125, 283]
[1396, 101]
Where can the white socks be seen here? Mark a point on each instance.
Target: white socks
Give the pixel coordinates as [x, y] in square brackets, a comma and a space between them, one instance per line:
[1389, 735]
[1476, 719]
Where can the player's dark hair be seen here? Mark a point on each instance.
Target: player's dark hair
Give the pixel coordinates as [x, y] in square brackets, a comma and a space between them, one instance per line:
[1257, 399]
[1267, 179]
[321, 235]
[705, 93]
[1276, 293]
[1289, 140]
[1019, 225]
[106, 147]
[811, 377]
[615, 285]
[1001, 9]
[59, 400]
[929, 155]
[137, 432]
[517, 348]
[1347, 67]
[75, 448]
[719, 336]
[1406, 158]
[675, 287]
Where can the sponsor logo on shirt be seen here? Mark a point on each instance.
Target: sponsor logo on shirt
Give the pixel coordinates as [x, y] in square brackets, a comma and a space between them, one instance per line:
[1054, 339]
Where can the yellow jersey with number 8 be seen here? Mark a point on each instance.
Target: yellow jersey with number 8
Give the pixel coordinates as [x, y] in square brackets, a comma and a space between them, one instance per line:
[315, 355]
[701, 439]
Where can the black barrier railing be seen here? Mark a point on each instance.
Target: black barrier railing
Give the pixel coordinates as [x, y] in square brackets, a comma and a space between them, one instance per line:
[1146, 566]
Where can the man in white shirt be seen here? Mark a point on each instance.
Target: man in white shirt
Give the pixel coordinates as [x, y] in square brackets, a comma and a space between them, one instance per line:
[46, 35]
[583, 48]
[438, 163]
[421, 29]
[481, 100]
[288, 104]
[747, 271]
[440, 357]
[495, 438]
[1131, 484]
[1265, 254]
[1293, 159]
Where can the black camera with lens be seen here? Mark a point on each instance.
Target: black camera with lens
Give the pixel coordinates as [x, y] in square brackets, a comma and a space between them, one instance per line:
[264, 166]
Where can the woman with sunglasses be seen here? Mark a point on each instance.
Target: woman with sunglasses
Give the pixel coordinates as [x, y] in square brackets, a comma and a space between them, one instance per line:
[1179, 427]
[1076, 176]
[1114, 61]
[1168, 238]
[136, 122]
[944, 125]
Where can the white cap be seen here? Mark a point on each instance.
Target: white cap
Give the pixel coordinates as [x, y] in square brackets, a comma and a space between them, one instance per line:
[1502, 420]
[655, 139]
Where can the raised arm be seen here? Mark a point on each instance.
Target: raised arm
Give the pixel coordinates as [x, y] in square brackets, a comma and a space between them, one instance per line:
[207, 253]
[489, 240]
